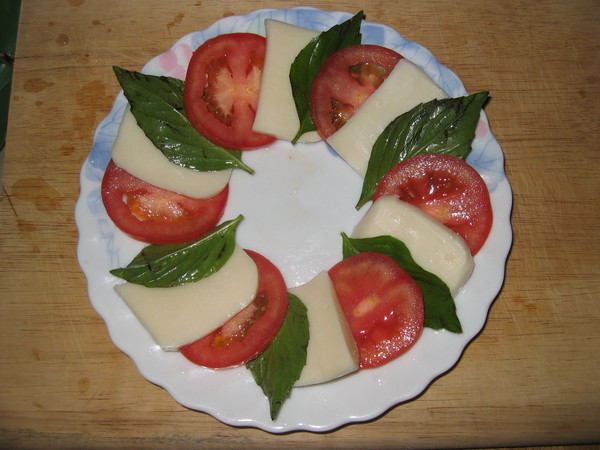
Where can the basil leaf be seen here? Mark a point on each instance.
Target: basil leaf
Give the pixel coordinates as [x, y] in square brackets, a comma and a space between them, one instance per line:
[280, 365]
[440, 310]
[177, 264]
[157, 104]
[440, 126]
[310, 59]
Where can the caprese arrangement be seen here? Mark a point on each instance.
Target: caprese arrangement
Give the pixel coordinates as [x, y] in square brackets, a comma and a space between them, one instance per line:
[197, 292]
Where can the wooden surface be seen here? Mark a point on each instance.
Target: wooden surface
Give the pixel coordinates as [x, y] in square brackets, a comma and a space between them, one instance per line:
[530, 378]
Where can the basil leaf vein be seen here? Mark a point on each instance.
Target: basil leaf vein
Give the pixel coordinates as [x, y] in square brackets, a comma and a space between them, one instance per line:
[280, 365]
[440, 309]
[157, 104]
[178, 264]
[444, 126]
[310, 59]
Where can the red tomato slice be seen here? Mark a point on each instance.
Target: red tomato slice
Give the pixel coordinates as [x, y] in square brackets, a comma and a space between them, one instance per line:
[247, 334]
[154, 215]
[221, 90]
[382, 303]
[345, 81]
[446, 188]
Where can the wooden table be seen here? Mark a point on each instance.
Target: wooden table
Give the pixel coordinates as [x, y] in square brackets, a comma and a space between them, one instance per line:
[530, 378]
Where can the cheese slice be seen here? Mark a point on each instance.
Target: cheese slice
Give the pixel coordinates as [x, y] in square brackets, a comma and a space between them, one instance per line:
[134, 152]
[432, 245]
[406, 87]
[331, 351]
[175, 316]
[276, 111]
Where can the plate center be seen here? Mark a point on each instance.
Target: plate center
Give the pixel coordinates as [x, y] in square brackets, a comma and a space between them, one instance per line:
[295, 207]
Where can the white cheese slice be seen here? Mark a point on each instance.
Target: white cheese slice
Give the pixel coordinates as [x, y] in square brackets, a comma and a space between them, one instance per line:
[276, 111]
[134, 152]
[432, 245]
[406, 87]
[175, 316]
[331, 351]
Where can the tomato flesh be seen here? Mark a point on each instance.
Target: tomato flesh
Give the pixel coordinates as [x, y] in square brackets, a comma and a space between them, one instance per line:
[248, 333]
[221, 90]
[154, 215]
[382, 303]
[448, 189]
[344, 83]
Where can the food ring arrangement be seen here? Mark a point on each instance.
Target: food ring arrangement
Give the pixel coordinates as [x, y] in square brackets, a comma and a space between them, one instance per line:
[291, 206]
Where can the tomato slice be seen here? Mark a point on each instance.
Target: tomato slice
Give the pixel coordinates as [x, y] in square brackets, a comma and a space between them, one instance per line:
[221, 90]
[247, 334]
[382, 303]
[448, 189]
[154, 215]
[345, 81]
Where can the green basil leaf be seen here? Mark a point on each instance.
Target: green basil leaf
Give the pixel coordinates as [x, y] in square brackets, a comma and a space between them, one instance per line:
[440, 310]
[440, 126]
[177, 264]
[280, 365]
[157, 104]
[310, 59]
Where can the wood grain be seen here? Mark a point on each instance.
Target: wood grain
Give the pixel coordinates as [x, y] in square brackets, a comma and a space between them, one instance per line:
[530, 378]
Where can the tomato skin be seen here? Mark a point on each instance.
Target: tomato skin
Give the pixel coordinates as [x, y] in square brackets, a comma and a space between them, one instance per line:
[179, 218]
[221, 90]
[382, 303]
[448, 189]
[345, 81]
[260, 322]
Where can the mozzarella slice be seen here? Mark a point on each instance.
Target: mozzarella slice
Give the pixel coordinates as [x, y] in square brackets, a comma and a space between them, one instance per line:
[331, 351]
[406, 87]
[276, 112]
[175, 316]
[432, 245]
[134, 152]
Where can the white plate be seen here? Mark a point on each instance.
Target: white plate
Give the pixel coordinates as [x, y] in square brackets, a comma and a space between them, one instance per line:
[295, 206]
